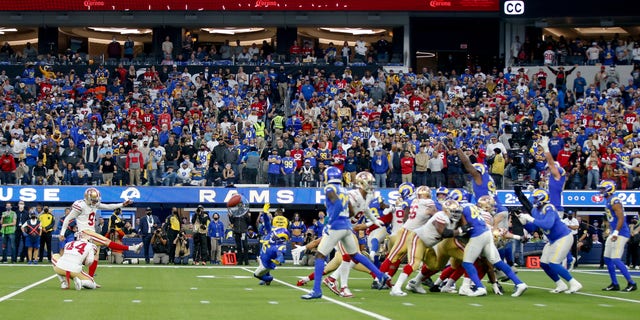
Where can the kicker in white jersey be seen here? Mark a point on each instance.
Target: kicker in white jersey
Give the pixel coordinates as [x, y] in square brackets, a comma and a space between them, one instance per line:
[85, 215]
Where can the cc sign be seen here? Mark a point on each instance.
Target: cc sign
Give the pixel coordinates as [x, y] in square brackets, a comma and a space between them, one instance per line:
[513, 7]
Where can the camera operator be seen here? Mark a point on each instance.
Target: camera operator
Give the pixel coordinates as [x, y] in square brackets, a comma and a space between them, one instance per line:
[160, 247]
[309, 254]
[115, 234]
[181, 247]
[521, 162]
[200, 221]
[173, 227]
[240, 228]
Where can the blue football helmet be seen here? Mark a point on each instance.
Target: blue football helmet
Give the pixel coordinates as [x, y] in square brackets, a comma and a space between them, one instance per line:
[280, 235]
[459, 195]
[480, 168]
[607, 187]
[540, 197]
[406, 190]
[333, 175]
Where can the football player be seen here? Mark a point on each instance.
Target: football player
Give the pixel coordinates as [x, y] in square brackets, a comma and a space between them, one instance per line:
[69, 266]
[544, 216]
[427, 235]
[618, 237]
[84, 214]
[274, 246]
[338, 230]
[399, 235]
[481, 243]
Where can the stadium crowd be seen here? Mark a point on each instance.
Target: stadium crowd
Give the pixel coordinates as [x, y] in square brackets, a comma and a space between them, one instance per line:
[168, 126]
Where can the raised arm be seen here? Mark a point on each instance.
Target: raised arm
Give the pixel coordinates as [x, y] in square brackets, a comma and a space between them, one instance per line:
[550, 161]
[477, 177]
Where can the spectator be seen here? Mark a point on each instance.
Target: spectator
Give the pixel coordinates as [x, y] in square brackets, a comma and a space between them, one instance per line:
[275, 162]
[134, 164]
[29, 52]
[380, 168]
[167, 48]
[107, 168]
[8, 166]
[114, 49]
[22, 216]
[436, 165]
[147, 228]
[406, 166]
[128, 48]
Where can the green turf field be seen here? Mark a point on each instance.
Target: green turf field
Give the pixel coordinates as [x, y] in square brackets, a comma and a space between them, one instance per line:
[167, 292]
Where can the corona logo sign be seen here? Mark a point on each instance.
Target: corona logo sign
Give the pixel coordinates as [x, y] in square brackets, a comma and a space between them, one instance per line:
[266, 3]
[435, 4]
[92, 3]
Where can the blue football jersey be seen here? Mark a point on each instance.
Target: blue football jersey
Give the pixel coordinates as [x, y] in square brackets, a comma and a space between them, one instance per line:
[473, 215]
[613, 218]
[548, 220]
[555, 189]
[337, 211]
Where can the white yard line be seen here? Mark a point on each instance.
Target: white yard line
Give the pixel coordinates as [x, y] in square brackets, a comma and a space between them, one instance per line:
[19, 291]
[338, 302]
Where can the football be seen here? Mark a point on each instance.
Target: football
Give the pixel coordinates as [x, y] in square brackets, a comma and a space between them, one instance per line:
[234, 201]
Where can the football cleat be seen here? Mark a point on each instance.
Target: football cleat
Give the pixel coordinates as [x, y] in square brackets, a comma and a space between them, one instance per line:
[520, 289]
[136, 248]
[312, 295]
[301, 282]
[397, 293]
[465, 290]
[386, 281]
[448, 289]
[428, 282]
[631, 287]
[612, 287]
[415, 287]
[77, 282]
[331, 283]
[560, 288]
[345, 293]
[574, 286]
[375, 285]
[478, 292]
[64, 285]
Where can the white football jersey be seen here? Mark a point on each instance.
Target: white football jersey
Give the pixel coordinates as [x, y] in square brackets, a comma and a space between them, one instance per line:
[359, 205]
[397, 222]
[76, 254]
[85, 215]
[428, 232]
[418, 213]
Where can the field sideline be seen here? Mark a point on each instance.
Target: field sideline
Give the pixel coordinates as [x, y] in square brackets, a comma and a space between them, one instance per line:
[168, 292]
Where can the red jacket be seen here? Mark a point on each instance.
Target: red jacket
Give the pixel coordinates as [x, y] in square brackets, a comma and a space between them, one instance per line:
[7, 163]
[134, 156]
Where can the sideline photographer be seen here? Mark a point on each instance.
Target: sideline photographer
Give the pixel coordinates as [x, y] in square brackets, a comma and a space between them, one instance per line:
[200, 221]
[181, 245]
[240, 228]
[160, 247]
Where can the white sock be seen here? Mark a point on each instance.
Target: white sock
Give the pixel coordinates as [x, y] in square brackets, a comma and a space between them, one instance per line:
[400, 282]
[450, 282]
[438, 282]
[559, 283]
[345, 268]
[336, 273]
[466, 282]
[418, 278]
[62, 279]
[573, 282]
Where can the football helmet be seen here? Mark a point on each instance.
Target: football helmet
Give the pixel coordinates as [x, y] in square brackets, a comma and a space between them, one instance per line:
[540, 197]
[333, 175]
[607, 187]
[452, 209]
[423, 192]
[366, 181]
[442, 193]
[487, 203]
[459, 195]
[92, 196]
[280, 235]
[480, 168]
[406, 190]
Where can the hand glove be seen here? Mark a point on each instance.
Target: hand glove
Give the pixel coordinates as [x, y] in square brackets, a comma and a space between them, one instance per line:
[544, 143]
[266, 207]
[522, 218]
[497, 289]
[464, 230]
[527, 217]
[298, 250]
[276, 262]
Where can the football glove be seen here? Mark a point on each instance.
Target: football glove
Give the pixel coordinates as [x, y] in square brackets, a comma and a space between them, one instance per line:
[298, 250]
[266, 207]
